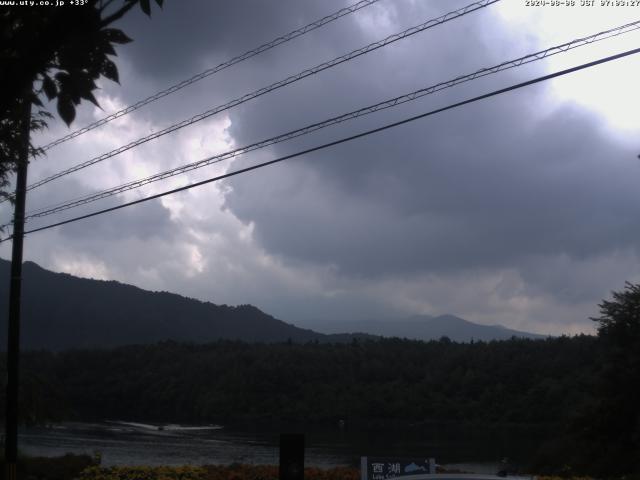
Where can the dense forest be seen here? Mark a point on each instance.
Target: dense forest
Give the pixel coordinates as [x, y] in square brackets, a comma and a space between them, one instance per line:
[517, 381]
[538, 384]
[583, 388]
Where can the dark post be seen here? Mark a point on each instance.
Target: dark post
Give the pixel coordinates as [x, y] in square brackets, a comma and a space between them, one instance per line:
[291, 456]
[15, 286]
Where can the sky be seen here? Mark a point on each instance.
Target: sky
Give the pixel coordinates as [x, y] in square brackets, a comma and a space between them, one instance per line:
[520, 210]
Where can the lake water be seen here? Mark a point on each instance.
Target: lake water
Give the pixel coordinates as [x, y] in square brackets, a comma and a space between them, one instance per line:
[119, 443]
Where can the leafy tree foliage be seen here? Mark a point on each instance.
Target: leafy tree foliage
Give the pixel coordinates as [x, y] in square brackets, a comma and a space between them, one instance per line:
[620, 318]
[614, 426]
[58, 53]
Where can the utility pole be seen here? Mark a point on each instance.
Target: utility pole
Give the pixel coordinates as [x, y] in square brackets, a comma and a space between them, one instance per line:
[15, 288]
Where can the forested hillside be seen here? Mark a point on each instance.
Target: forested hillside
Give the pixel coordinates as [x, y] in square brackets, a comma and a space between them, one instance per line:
[388, 381]
[582, 389]
[60, 311]
[562, 387]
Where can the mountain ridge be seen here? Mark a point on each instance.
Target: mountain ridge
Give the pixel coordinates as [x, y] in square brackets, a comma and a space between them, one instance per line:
[426, 327]
[62, 311]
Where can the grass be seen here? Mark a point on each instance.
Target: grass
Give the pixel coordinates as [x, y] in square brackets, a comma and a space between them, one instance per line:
[84, 467]
[67, 467]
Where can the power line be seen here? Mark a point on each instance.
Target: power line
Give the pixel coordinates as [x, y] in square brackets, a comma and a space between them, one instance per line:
[342, 140]
[45, 211]
[211, 71]
[291, 79]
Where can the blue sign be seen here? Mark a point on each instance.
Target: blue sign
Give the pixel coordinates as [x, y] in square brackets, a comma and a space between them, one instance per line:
[383, 468]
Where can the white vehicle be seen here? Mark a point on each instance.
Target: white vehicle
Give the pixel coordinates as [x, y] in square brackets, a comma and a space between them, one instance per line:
[459, 476]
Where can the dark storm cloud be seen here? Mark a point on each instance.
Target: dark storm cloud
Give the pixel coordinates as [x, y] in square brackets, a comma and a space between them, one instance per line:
[404, 220]
[182, 38]
[418, 200]
[143, 222]
[490, 185]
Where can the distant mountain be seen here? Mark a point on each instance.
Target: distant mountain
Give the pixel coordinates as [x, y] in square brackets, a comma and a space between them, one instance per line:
[424, 327]
[60, 311]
